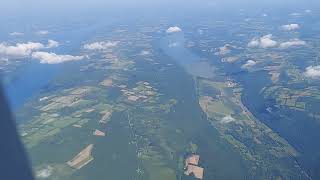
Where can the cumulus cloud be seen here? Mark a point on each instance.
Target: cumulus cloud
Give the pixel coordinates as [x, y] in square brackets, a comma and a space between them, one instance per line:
[249, 64]
[100, 45]
[290, 27]
[42, 32]
[267, 42]
[145, 53]
[254, 43]
[52, 44]
[20, 49]
[263, 42]
[295, 14]
[31, 49]
[174, 44]
[308, 11]
[293, 42]
[16, 34]
[312, 72]
[173, 29]
[224, 50]
[227, 119]
[44, 173]
[52, 58]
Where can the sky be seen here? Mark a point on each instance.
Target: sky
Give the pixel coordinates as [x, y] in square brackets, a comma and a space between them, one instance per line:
[60, 9]
[16, 6]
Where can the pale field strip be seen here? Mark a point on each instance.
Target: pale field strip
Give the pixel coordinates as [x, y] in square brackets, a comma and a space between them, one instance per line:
[83, 158]
[99, 133]
[75, 96]
[106, 116]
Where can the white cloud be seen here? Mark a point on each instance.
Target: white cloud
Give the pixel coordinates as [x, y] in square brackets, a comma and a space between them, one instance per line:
[308, 11]
[293, 42]
[52, 44]
[249, 64]
[175, 44]
[263, 42]
[44, 173]
[20, 49]
[313, 72]
[224, 50]
[52, 58]
[173, 29]
[16, 34]
[254, 43]
[267, 42]
[295, 14]
[42, 32]
[227, 119]
[290, 27]
[100, 45]
[145, 53]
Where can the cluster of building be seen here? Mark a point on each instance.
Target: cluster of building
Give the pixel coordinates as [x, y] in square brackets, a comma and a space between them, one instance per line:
[142, 92]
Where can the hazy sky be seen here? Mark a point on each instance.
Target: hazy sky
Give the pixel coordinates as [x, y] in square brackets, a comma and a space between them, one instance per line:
[74, 4]
[43, 8]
